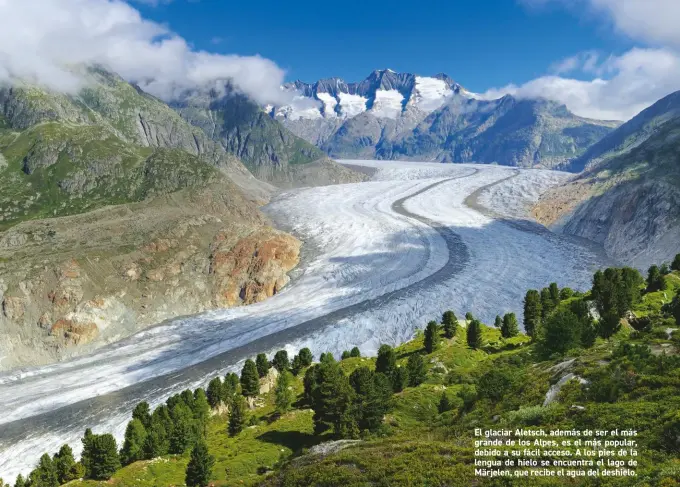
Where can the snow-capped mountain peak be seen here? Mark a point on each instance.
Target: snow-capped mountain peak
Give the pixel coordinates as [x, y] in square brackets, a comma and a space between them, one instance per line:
[384, 94]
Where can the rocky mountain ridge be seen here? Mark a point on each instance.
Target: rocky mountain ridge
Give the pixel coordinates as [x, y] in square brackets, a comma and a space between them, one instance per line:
[116, 214]
[628, 198]
[393, 115]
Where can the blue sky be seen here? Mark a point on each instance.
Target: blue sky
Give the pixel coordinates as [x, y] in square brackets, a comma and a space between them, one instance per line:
[480, 43]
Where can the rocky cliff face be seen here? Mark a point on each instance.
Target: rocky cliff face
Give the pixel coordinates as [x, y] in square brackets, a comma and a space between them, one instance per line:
[630, 202]
[269, 150]
[69, 285]
[116, 214]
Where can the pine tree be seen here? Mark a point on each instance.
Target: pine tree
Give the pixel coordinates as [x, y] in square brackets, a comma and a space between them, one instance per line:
[187, 396]
[306, 357]
[474, 334]
[655, 280]
[309, 384]
[547, 304]
[431, 339]
[250, 382]
[532, 312]
[450, 323]
[230, 387]
[215, 387]
[201, 409]
[416, 370]
[296, 365]
[238, 415]
[561, 332]
[373, 397]
[509, 328]
[182, 435]
[142, 412]
[469, 316]
[355, 352]
[45, 475]
[281, 361]
[65, 465]
[104, 461]
[399, 379]
[20, 481]
[386, 362]
[199, 469]
[498, 322]
[262, 363]
[554, 291]
[345, 355]
[156, 442]
[444, 404]
[86, 455]
[133, 446]
[283, 394]
[332, 398]
[676, 263]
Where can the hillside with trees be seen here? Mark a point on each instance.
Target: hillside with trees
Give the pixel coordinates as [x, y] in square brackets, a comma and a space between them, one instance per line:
[600, 359]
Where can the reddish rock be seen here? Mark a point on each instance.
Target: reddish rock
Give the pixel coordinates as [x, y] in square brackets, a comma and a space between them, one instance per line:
[74, 333]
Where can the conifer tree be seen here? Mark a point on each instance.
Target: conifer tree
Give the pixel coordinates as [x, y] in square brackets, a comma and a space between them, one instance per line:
[238, 415]
[431, 338]
[674, 308]
[345, 355]
[201, 409]
[250, 382]
[444, 403]
[281, 361]
[532, 312]
[332, 398]
[399, 379]
[655, 280]
[296, 365]
[182, 436]
[283, 394]
[187, 396]
[262, 363]
[215, 387]
[86, 455]
[156, 442]
[676, 263]
[230, 387]
[554, 291]
[199, 469]
[142, 413]
[498, 322]
[416, 370]
[450, 323]
[547, 304]
[45, 475]
[509, 328]
[306, 357]
[474, 334]
[105, 460]
[386, 362]
[20, 481]
[133, 446]
[65, 465]
[469, 316]
[355, 352]
[373, 393]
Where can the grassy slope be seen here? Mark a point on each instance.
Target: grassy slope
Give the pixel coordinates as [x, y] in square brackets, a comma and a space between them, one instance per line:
[420, 447]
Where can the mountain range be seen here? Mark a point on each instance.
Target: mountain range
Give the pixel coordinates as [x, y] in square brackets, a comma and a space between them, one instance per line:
[628, 196]
[403, 116]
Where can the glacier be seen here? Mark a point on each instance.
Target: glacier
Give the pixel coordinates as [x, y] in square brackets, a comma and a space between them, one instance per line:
[382, 258]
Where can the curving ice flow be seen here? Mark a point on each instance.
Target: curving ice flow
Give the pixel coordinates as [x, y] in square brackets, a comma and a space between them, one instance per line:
[381, 258]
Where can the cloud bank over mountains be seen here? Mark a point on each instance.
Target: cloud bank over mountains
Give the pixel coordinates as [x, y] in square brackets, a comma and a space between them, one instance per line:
[41, 39]
[622, 85]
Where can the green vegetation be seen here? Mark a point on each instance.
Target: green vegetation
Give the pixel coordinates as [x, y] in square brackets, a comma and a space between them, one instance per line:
[413, 411]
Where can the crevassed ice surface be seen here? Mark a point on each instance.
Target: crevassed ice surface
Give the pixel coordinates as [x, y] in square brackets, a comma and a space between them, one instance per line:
[374, 272]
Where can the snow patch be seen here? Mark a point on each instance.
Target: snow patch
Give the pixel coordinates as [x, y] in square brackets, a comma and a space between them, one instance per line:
[387, 104]
[430, 93]
[329, 104]
[351, 105]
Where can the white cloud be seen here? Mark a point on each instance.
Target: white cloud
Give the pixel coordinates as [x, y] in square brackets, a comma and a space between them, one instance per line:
[650, 21]
[635, 80]
[621, 86]
[39, 39]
